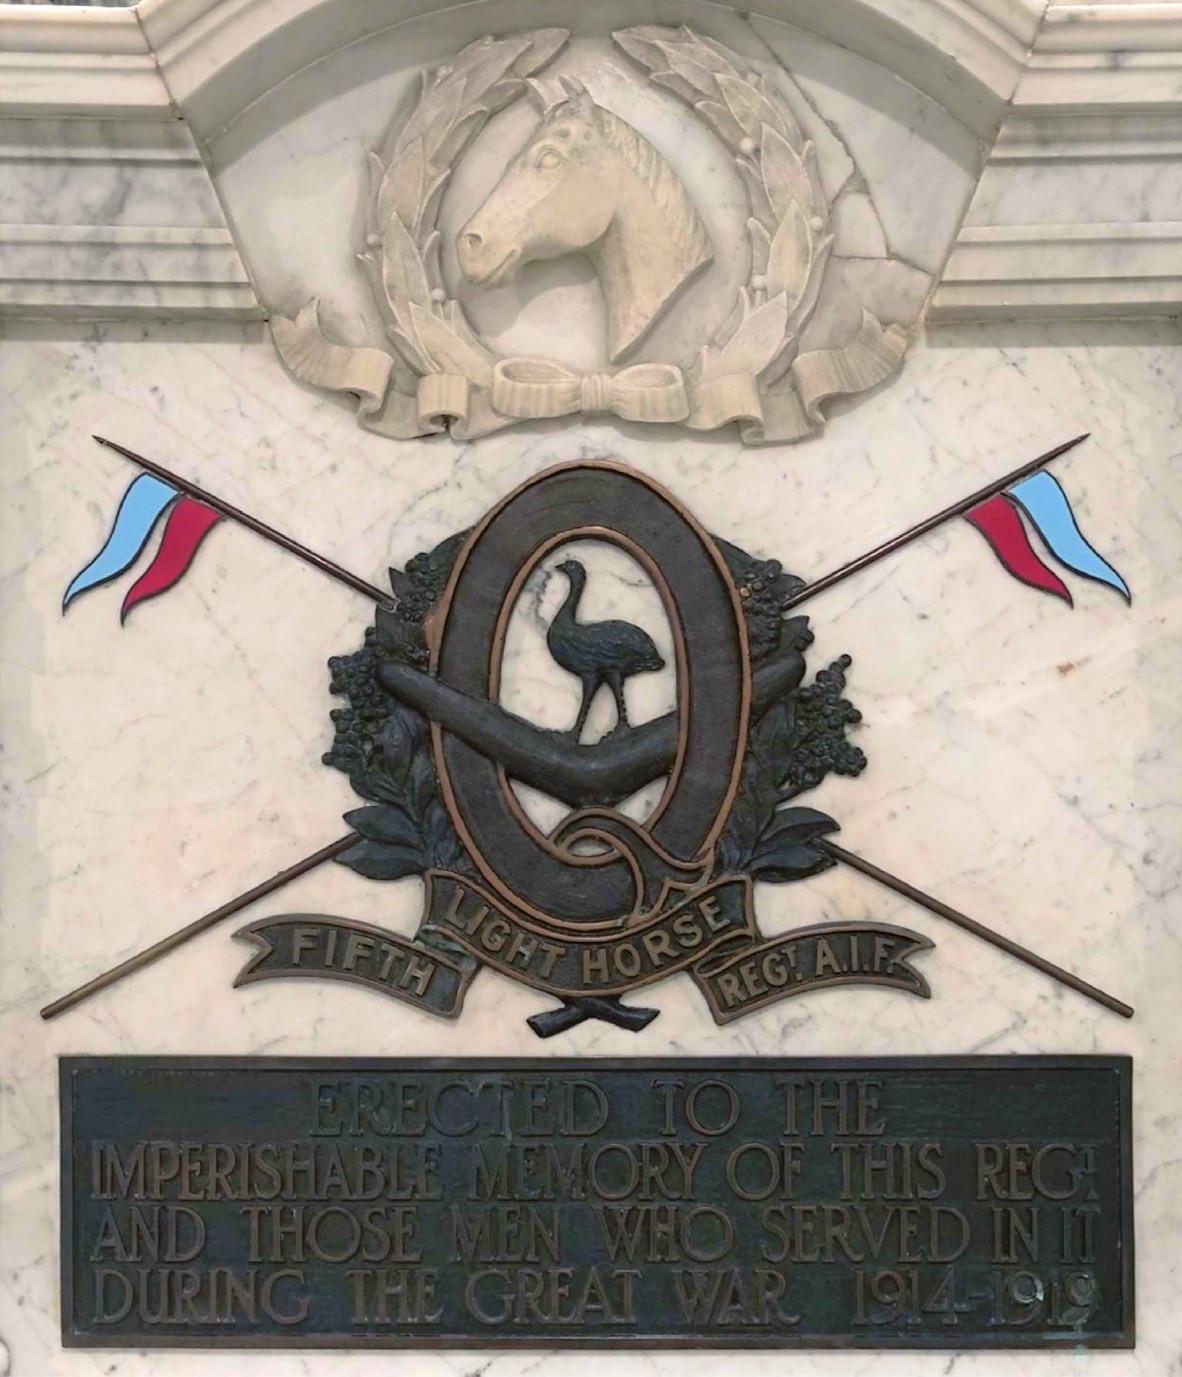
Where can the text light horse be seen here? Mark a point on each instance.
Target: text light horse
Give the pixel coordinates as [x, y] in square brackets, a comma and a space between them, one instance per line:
[589, 183]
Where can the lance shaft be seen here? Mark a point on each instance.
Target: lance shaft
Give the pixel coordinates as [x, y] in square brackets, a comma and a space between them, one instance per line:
[252, 523]
[966, 504]
[577, 1010]
[962, 920]
[195, 929]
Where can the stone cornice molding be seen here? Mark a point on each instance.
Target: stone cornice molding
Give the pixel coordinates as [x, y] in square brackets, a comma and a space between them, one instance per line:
[967, 55]
[1100, 100]
[1056, 92]
[66, 60]
[219, 56]
[123, 220]
[1072, 67]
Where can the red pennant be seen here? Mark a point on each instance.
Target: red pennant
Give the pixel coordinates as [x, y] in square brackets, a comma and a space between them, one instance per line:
[188, 525]
[1002, 527]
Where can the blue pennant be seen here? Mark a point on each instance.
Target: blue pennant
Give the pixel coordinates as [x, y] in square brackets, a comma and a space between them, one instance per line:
[138, 513]
[1045, 503]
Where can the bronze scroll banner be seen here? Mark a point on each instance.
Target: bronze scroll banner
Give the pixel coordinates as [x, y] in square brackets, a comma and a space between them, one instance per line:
[938, 1202]
[709, 932]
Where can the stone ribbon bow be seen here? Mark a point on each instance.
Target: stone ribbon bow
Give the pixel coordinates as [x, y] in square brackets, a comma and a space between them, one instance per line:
[532, 389]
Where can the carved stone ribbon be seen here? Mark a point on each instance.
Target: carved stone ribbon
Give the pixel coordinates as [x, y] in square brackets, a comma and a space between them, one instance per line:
[791, 409]
[520, 389]
[531, 389]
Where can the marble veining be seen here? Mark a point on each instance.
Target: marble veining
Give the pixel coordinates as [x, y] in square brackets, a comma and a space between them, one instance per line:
[112, 218]
[1079, 208]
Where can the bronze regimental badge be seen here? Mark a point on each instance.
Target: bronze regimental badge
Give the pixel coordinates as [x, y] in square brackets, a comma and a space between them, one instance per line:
[601, 905]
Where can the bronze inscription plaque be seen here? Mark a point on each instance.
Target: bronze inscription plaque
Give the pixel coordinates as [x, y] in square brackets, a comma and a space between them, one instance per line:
[936, 1202]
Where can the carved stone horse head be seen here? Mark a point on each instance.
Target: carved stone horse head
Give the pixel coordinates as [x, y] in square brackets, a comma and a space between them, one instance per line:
[589, 183]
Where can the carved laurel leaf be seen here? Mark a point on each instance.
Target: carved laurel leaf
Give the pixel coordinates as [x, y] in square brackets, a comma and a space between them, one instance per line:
[502, 93]
[489, 71]
[785, 177]
[761, 207]
[750, 107]
[544, 43]
[720, 119]
[448, 100]
[483, 63]
[402, 185]
[653, 33]
[671, 81]
[433, 116]
[458, 321]
[459, 136]
[712, 54]
[402, 265]
[792, 130]
[377, 175]
[686, 66]
[654, 36]
[761, 246]
[802, 312]
[756, 342]
[449, 352]
[791, 257]
[639, 48]
[809, 156]
[404, 283]
[428, 208]
[399, 337]
[430, 259]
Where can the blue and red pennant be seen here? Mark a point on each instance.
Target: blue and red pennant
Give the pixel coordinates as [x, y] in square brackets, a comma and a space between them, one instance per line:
[1045, 505]
[999, 519]
[144, 503]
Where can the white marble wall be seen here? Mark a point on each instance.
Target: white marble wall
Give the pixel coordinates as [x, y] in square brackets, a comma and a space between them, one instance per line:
[1023, 756]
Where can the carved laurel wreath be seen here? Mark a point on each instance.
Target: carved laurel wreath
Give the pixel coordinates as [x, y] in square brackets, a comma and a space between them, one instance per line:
[789, 223]
[443, 372]
[407, 179]
[789, 213]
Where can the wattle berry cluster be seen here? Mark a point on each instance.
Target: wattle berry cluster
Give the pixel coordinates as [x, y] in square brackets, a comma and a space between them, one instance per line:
[355, 677]
[820, 746]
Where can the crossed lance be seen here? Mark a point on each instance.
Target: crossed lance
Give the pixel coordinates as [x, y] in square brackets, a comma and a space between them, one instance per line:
[573, 773]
